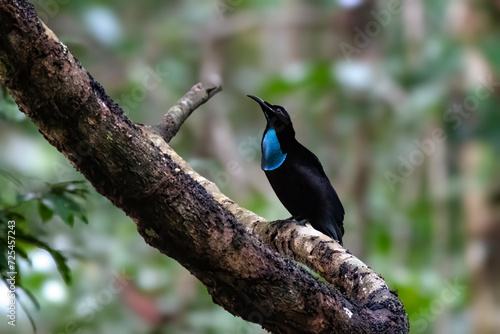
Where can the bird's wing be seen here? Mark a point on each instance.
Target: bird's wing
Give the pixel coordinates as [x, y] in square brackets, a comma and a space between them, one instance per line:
[337, 205]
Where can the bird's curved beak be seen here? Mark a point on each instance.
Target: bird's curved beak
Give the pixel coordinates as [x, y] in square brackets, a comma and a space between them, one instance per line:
[266, 107]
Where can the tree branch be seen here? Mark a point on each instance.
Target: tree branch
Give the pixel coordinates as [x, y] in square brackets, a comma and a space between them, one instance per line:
[178, 211]
[178, 113]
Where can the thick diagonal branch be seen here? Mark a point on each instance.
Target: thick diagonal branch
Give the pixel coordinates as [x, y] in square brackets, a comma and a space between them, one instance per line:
[176, 210]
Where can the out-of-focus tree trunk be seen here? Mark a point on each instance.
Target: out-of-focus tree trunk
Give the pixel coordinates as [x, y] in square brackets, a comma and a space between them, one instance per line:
[482, 248]
[482, 227]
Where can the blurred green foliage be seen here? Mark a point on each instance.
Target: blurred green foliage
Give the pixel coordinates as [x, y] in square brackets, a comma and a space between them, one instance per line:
[59, 199]
[17, 207]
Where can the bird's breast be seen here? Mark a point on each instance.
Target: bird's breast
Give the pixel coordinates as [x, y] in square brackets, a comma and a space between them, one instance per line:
[272, 155]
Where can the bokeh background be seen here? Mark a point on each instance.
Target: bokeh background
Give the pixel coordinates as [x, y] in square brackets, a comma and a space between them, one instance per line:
[398, 99]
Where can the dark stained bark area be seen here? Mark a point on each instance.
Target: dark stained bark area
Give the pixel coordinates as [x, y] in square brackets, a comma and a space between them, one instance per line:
[231, 250]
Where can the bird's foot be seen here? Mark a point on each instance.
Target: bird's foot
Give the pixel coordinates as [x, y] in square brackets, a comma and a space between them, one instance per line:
[300, 221]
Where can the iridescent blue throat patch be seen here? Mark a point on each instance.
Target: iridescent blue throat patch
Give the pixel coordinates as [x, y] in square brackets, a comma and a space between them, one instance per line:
[272, 156]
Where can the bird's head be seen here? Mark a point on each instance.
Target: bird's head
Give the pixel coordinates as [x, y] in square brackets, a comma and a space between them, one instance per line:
[277, 117]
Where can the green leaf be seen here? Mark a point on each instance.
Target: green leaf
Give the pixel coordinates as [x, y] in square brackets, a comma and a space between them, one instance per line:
[66, 207]
[58, 257]
[45, 210]
[62, 266]
[61, 199]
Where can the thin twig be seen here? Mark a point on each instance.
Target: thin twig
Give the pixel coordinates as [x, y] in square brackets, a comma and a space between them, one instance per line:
[178, 113]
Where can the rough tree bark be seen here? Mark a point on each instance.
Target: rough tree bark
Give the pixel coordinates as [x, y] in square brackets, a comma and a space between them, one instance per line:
[244, 261]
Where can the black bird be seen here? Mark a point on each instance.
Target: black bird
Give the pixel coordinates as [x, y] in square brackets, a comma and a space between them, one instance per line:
[296, 175]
